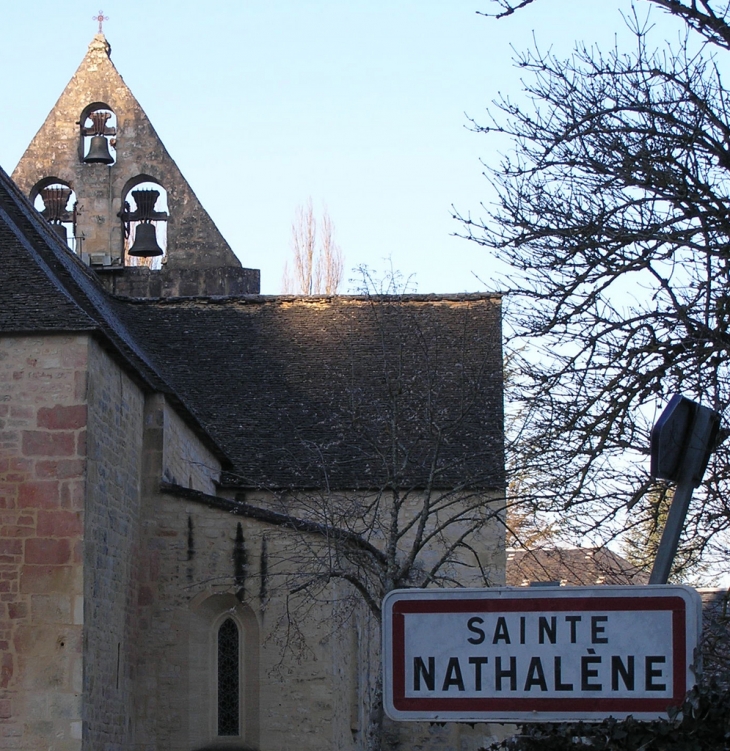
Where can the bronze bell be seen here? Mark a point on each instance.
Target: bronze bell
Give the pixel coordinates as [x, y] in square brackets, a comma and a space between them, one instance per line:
[145, 242]
[99, 151]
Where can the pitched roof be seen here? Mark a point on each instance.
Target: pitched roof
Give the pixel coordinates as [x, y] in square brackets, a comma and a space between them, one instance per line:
[341, 392]
[71, 298]
[34, 296]
[346, 392]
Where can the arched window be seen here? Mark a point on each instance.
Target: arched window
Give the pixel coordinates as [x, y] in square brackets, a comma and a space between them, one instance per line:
[97, 144]
[223, 709]
[229, 678]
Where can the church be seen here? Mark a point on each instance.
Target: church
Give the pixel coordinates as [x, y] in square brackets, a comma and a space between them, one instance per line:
[205, 493]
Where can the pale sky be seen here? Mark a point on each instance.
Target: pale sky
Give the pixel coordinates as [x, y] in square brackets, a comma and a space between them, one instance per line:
[361, 105]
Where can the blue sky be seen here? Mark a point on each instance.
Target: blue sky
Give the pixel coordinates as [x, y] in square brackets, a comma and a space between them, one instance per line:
[361, 105]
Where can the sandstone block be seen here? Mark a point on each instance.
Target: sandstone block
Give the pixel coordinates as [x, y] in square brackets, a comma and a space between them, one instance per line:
[47, 551]
[6, 670]
[59, 523]
[62, 418]
[10, 547]
[81, 444]
[40, 443]
[39, 494]
[52, 608]
[60, 468]
[17, 610]
[47, 579]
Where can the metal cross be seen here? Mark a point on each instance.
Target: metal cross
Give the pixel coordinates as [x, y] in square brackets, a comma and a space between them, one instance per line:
[100, 18]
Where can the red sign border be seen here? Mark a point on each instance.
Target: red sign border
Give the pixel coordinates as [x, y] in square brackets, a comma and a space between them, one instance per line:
[673, 603]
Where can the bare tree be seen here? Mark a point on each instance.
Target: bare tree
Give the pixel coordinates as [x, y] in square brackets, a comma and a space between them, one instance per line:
[707, 17]
[317, 260]
[613, 212]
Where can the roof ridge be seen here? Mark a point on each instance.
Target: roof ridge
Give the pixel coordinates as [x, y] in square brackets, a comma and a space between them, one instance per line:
[313, 299]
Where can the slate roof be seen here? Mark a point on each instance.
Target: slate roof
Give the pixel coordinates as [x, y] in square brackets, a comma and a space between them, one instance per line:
[344, 392]
[45, 287]
[34, 298]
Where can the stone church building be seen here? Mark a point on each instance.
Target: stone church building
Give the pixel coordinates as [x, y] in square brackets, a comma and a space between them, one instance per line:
[205, 492]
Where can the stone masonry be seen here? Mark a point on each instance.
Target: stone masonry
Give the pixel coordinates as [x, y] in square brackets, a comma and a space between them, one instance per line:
[112, 529]
[43, 417]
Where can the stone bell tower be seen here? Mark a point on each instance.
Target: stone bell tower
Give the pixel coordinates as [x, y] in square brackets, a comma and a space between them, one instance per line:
[101, 175]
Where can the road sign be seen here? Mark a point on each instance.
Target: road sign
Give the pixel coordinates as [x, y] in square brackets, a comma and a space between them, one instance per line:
[682, 440]
[553, 653]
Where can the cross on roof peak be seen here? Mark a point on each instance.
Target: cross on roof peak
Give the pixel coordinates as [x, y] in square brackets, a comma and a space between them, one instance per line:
[100, 18]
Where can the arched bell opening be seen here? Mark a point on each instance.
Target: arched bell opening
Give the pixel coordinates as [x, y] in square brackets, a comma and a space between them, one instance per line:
[56, 201]
[97, 144]
[144, 217]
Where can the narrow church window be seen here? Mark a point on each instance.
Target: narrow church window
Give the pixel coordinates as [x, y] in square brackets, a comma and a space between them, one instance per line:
[56, 201]
[229, 678]
[98, 123]
[144, 217]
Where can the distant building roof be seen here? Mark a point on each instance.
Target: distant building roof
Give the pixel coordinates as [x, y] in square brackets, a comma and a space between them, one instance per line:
[570, 567]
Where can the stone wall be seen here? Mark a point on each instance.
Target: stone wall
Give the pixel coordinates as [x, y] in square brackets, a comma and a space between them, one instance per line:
[185, 461]
[288, 693]
[112, 530]
[312, 662]
[166, 557]
[42, 462]
[89, 542]
[138, 282]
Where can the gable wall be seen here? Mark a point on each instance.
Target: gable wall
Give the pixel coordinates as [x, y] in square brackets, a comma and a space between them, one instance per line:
[42, 463]
[193, 239]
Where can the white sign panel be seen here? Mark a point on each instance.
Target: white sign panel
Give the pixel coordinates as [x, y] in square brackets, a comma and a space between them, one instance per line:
[547, 653]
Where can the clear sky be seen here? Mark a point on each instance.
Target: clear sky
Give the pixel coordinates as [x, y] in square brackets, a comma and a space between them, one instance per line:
[361, 105]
